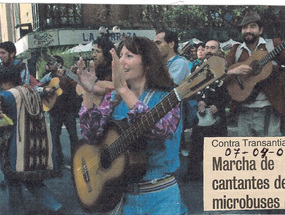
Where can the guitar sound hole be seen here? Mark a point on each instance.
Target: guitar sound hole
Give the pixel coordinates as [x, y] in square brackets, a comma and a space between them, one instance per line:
[105, 159]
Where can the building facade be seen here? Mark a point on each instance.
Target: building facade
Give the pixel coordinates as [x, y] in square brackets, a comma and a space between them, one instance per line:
[33, 27]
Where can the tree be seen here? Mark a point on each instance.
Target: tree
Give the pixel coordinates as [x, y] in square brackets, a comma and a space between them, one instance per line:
[207, 18]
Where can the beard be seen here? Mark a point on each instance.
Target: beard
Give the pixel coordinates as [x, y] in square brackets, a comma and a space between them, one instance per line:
[208, 55]
[8, 62]
[253, 38]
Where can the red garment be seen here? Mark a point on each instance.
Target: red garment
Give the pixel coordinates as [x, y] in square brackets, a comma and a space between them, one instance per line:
[33, 81]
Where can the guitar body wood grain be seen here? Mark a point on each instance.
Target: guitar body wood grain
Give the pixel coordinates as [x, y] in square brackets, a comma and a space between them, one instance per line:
[101, 172]
[49, 101]
[97, 192]
[249, 81]
[100, 189]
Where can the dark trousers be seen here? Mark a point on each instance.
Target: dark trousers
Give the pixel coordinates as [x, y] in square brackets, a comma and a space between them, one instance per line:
[37, 188]
[56, 123]
[197, 146]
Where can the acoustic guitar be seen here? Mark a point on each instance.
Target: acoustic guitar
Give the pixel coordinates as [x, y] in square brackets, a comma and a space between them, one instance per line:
[50, 98]
[240, 87]
[79, 87]
[101, 171]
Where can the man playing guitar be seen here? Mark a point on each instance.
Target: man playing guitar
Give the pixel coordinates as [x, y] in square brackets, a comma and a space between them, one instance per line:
[64, 109]
[263, 112]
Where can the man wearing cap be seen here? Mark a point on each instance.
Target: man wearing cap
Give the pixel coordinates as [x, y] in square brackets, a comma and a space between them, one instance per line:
[264, 113]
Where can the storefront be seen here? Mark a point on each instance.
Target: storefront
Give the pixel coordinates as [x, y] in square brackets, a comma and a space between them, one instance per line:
[29, 46]
[69, 37]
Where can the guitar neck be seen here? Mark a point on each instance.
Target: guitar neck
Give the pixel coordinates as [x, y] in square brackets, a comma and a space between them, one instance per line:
[73, 76]
[67, 72]
[271, 55]
[145, 123]
[207, 73]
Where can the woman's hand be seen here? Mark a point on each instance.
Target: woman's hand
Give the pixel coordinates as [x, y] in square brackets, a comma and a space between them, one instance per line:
[118, 73]
[119, 81]
[86, 78]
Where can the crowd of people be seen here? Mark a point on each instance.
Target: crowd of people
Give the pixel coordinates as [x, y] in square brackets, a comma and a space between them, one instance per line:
[125, 83]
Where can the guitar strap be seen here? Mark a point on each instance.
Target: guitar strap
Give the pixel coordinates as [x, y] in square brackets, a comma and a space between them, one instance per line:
[238, 52]
[148, 96]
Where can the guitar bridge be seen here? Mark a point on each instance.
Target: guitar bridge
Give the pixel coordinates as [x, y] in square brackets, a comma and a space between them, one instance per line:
[85, 174]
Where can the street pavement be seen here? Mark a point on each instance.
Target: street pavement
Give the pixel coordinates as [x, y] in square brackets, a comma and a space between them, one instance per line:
[191, 191]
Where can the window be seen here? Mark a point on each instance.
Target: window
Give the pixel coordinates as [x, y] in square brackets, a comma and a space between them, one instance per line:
[60, 15]
[36, 19]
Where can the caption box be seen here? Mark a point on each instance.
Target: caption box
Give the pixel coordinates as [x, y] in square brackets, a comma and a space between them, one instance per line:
[244, 173]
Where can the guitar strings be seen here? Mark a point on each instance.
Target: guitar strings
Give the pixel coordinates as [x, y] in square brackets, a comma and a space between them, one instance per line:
[128, 134]
[271, 55]
[171, 97]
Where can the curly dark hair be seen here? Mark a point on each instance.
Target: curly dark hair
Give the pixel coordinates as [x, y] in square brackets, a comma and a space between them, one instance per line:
[11, 74]
[157, 74]
[106, 45]
[9, 47]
